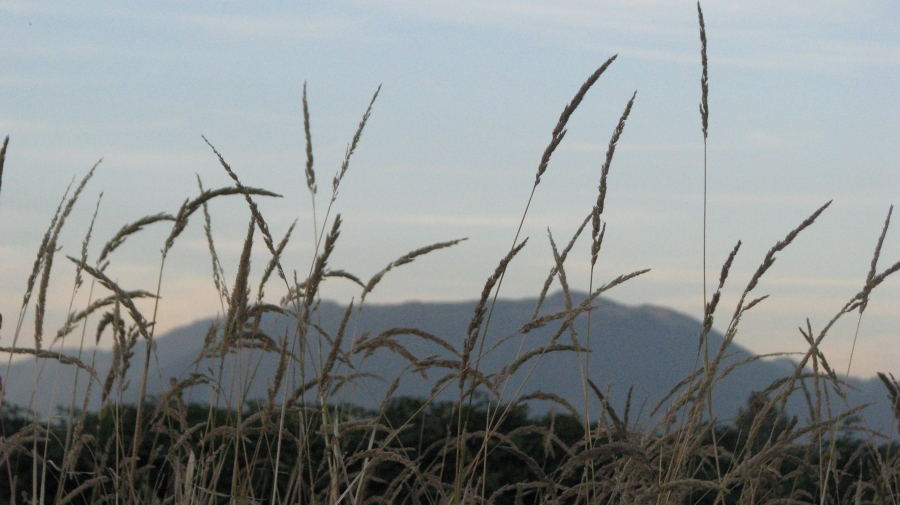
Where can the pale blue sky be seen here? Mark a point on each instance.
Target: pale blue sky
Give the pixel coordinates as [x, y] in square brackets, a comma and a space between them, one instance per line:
[804, 108]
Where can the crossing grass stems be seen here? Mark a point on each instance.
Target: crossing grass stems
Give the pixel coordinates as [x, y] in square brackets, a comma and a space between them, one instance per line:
[338, 452]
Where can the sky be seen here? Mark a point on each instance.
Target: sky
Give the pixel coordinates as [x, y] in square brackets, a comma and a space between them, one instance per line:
[803, 110]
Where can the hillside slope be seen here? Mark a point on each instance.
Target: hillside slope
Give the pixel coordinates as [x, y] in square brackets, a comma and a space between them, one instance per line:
[645, 347]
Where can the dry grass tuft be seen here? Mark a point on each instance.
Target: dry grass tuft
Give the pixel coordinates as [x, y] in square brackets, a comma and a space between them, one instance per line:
[307, 442]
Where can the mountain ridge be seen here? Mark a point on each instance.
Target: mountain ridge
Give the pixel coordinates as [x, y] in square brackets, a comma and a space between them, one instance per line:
[640, 351]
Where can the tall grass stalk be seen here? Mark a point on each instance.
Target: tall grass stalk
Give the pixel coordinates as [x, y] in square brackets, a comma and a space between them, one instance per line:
[305, 441]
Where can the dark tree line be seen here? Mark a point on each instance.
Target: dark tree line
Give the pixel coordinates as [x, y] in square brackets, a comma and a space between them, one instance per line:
[414, 441]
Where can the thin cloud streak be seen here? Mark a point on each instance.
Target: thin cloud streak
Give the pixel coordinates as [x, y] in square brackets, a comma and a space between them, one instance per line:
[658, 20]
[306, 25]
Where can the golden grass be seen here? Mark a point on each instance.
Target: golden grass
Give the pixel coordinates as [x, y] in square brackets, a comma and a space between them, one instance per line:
[307, 443]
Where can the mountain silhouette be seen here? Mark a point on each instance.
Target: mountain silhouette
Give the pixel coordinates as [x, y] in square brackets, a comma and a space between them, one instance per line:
[642, 349]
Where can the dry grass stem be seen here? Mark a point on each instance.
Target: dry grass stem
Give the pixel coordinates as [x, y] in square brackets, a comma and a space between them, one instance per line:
[352, 147]
[310, 172]
[559, 130]
[3, 159]
[205, 435]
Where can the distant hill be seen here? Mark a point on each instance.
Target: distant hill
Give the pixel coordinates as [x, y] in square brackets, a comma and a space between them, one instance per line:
[645, 347]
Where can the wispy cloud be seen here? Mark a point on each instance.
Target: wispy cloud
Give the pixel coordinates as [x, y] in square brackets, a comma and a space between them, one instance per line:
[754, 199]
[767, 35]
[753, 139]
[480, 221]
[761, 35]
[224, 18]
[276, 25]
[656, 16]
[20, 80]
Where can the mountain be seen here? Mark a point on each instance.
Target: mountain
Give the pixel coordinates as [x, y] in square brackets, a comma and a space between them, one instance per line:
[645, 347]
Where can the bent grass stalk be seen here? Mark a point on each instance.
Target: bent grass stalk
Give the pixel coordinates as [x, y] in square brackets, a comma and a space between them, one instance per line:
[559, 132]
[313, 446]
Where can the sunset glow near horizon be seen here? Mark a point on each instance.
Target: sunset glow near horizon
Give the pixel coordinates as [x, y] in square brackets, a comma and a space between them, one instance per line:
[804, 108]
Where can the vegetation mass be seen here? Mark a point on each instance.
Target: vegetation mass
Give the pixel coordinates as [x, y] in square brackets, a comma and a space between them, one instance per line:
[306, 442]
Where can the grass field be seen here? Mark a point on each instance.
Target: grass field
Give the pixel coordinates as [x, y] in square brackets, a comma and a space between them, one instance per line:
[307, 442]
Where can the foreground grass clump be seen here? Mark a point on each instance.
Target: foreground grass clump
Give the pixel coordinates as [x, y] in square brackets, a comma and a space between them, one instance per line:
[306, 442]
[525, 449]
